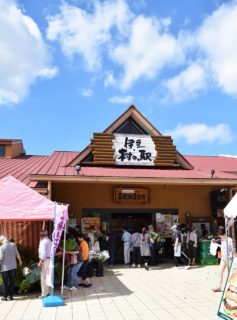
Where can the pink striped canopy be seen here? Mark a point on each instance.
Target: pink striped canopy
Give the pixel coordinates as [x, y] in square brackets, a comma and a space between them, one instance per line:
[20, 203]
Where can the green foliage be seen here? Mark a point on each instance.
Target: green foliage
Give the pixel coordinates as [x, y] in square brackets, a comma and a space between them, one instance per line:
[0, 280]
[70, 245]
[58, 271]
[24, 286]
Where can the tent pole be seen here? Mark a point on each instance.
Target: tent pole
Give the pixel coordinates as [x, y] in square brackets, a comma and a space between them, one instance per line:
[63, 262]
[52, 293]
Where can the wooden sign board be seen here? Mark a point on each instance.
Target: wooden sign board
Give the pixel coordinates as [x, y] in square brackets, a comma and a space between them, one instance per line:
[131, 195]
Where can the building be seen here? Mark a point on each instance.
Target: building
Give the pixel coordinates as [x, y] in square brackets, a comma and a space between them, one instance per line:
[131, 175]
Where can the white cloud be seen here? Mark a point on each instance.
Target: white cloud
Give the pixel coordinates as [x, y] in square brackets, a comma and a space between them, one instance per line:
[228, 155]
[187, 84]
[142, 47]
[121, 100]
[110, 80]
[87, 93]
[87, 34]
[149, 49]
[199, 133]
[24, 57]
[217, 39]
[213, 48]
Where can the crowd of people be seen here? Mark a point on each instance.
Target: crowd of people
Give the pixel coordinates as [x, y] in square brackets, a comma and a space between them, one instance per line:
[140, 248]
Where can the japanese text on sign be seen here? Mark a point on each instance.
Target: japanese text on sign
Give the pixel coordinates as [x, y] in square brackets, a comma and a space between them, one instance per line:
[134, 149]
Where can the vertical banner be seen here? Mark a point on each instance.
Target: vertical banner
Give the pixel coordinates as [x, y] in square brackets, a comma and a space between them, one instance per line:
[228, 305]
[60, 220]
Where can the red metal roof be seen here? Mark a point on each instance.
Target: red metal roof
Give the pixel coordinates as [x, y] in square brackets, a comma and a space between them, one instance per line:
[56, 165]
[153, 173]
[218, 163]
[21, 167]
[225, 168]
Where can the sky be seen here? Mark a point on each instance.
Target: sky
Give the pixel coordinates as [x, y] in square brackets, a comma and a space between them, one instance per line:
[70, 68]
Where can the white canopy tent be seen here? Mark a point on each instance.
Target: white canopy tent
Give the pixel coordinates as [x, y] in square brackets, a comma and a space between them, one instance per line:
[230, 211]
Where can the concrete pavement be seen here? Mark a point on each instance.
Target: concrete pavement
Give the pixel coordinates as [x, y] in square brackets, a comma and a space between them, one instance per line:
[162, 293]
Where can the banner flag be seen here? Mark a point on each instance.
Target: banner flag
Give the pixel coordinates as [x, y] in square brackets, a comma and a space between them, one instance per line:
[61, 218]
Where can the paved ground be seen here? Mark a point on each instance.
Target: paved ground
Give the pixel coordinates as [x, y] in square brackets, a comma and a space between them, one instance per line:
[163, 293]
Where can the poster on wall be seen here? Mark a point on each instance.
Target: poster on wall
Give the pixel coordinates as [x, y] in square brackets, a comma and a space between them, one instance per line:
[164, 223]
[88, 222]
[228, 304]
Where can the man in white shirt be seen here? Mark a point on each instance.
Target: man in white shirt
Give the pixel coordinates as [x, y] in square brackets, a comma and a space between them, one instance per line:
[126, 238]
[44, 259]
[227, 251]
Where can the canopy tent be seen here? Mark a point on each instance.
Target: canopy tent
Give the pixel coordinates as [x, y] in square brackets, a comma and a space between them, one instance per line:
[230, 211]
[20, 203]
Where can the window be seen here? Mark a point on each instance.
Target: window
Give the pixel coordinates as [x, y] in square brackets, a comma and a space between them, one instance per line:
[2, 150]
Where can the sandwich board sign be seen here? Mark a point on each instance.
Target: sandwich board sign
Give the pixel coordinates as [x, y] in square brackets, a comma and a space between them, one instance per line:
[228, 304]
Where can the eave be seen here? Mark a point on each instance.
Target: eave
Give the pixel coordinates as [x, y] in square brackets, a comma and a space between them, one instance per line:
[135, 180]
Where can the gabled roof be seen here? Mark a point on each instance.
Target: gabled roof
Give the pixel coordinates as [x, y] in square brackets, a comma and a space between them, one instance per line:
[147, 127]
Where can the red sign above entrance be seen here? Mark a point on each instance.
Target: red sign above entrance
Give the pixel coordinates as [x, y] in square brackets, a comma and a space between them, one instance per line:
[131, 195]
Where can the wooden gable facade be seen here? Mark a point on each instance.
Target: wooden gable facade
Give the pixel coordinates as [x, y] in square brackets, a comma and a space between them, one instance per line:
[100, 151]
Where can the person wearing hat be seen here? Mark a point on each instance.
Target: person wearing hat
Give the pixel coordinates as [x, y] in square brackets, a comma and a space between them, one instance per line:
[44, 259]
[8, 265]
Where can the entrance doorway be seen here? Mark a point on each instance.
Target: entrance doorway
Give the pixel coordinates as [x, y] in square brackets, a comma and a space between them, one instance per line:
[132, 221]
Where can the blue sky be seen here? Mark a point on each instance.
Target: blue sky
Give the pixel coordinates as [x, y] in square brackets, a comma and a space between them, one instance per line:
[70, 68]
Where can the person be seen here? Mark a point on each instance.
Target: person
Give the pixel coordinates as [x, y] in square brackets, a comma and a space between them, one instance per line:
[112, 247]
[184, 249]
[145, 247]
[44, 259]
[84, 251]
[177, 241]
[75, 264]
[227, 251]
[153, 245]
[101, 245]
[136, 249]
[192, 245]
[91, 236]
[8, 265]
[126, 238]
[204, 232]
